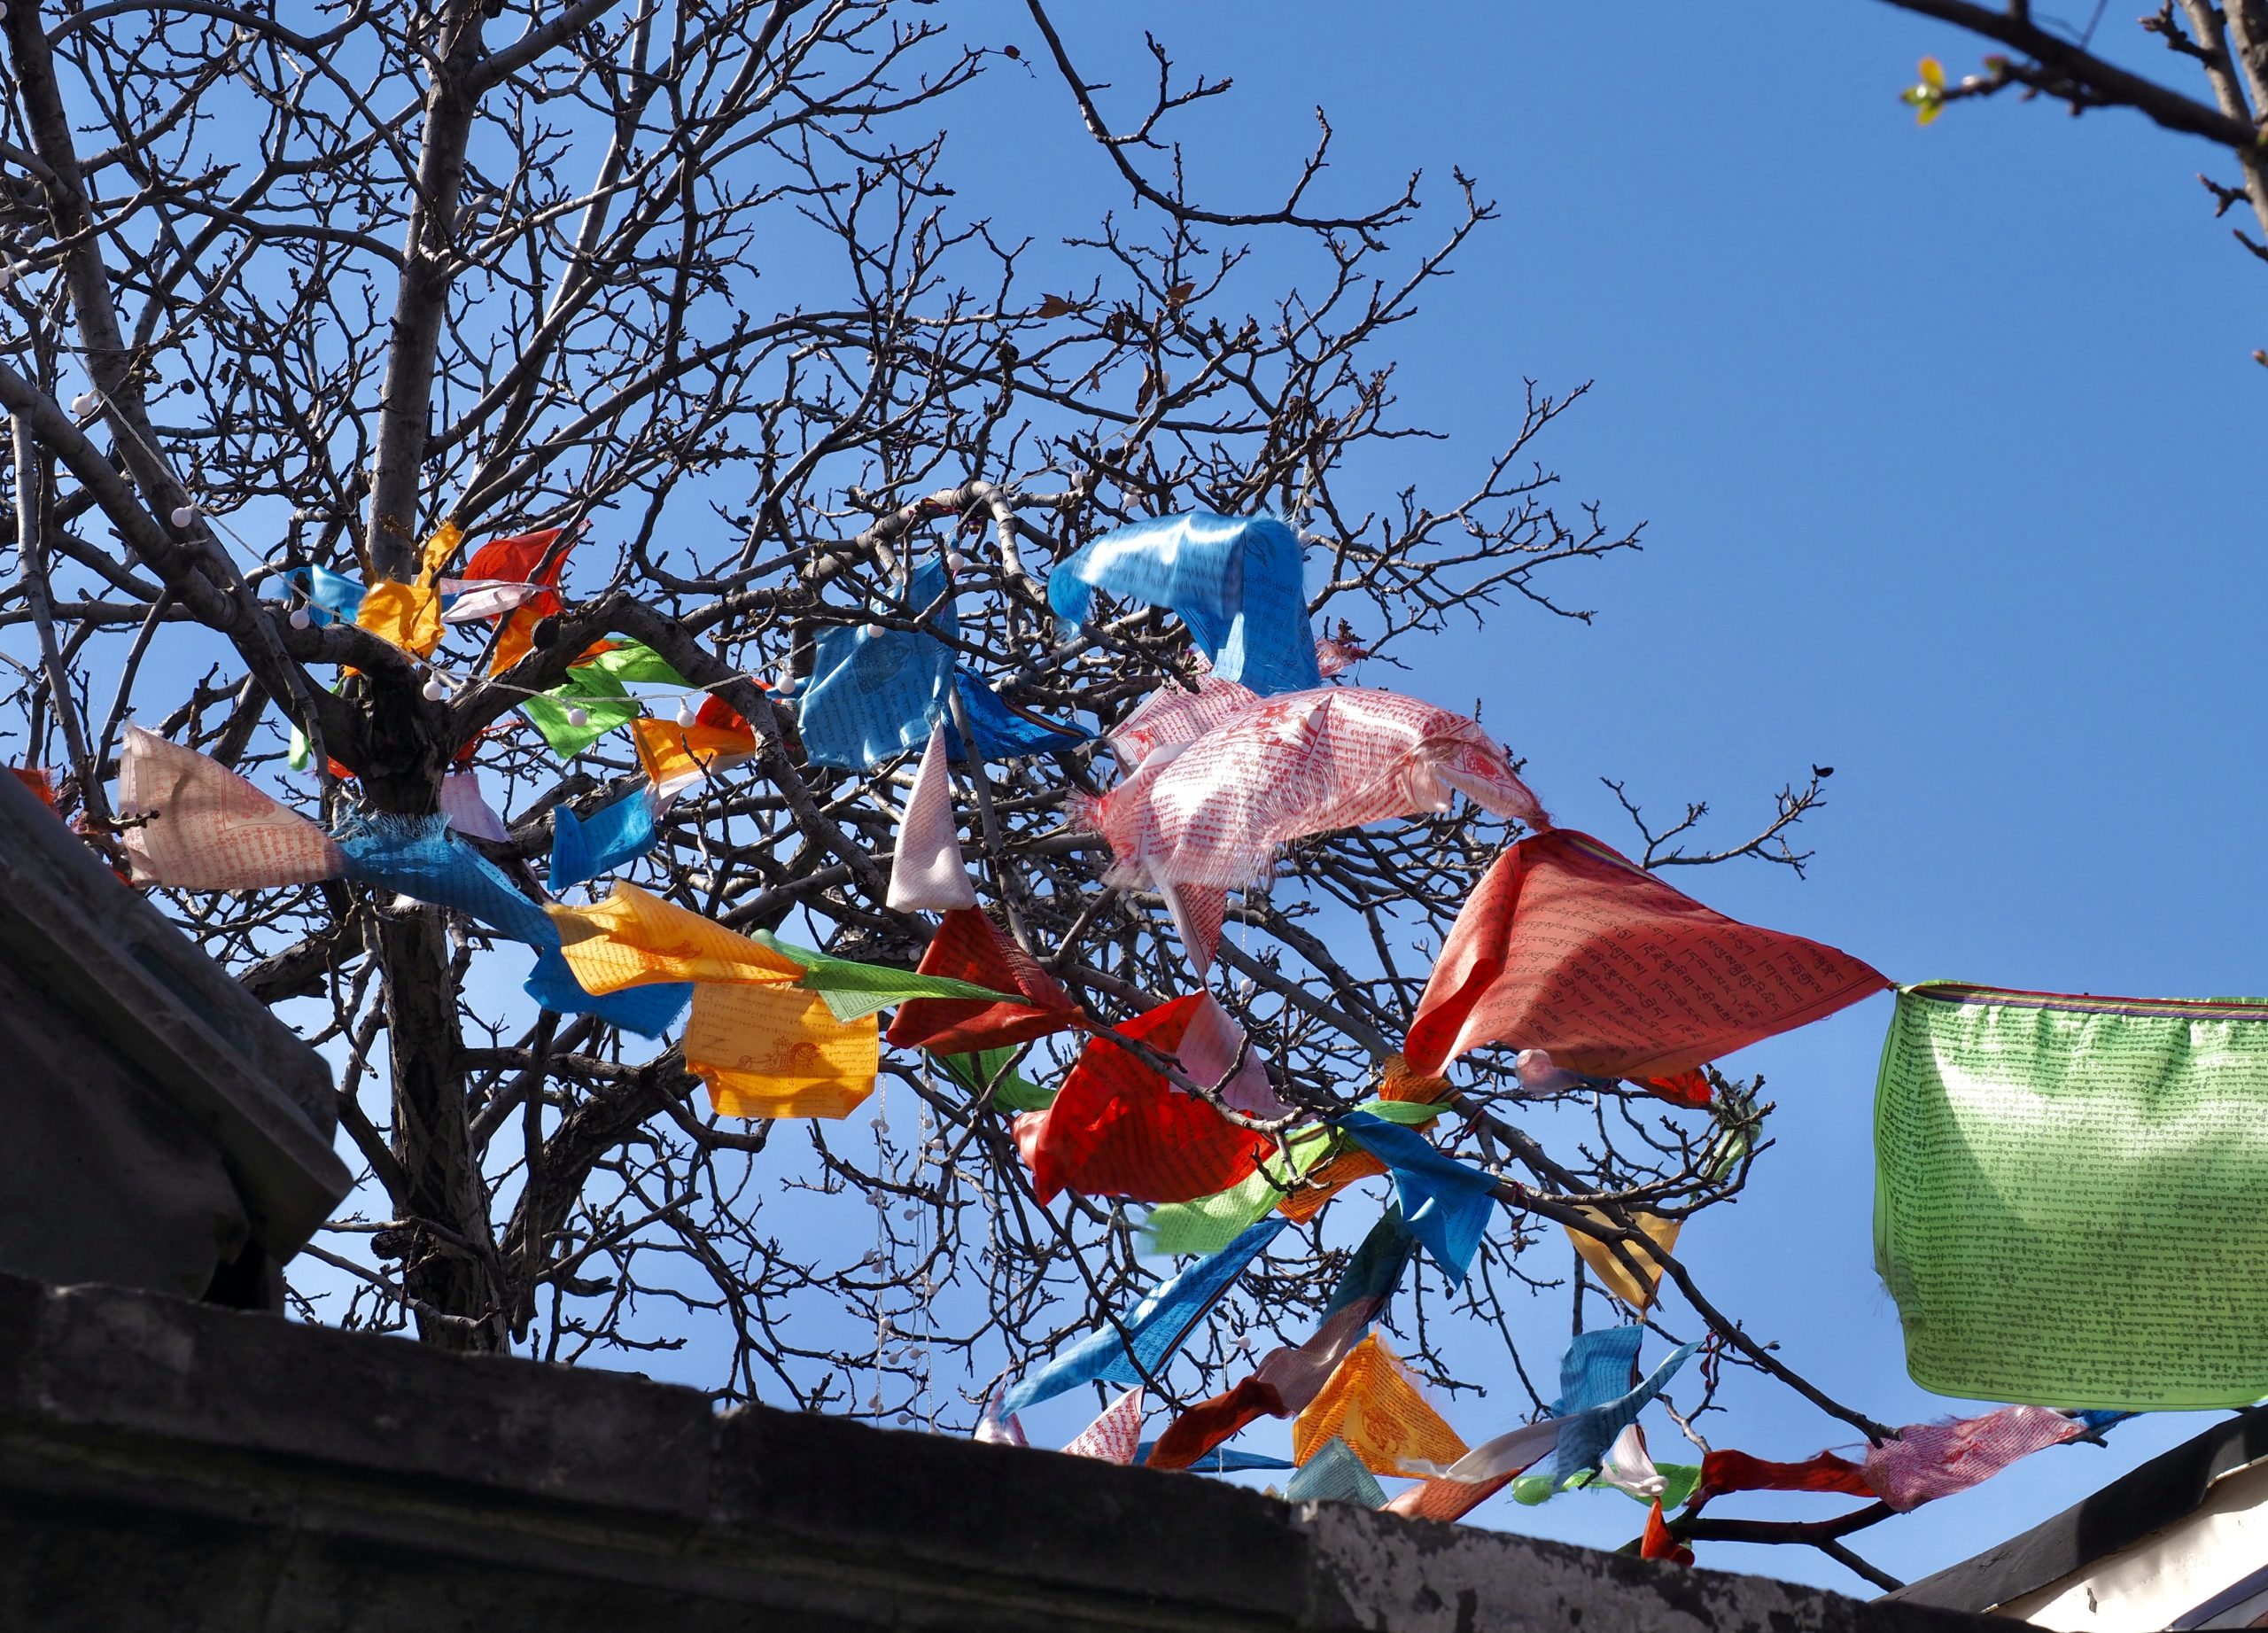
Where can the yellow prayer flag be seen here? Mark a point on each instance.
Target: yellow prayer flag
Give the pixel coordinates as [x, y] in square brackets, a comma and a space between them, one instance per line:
[770, 1050]
[438, 548]
[1609, 1270]
[633, 938]
[408, 615]
[1372, 1403]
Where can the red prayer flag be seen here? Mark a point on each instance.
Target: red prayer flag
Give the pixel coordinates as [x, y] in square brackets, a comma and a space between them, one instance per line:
[969, 946]
[1211, 1422]
[1117, 1128]
[1569, 947]
[1659, 1542]
[516, 560]
[39, 781]
[1724, 1472]
[1690, 1087]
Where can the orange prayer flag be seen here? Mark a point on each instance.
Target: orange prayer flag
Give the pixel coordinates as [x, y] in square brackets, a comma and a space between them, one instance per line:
[1327, 1181]
[767, 1049]
[1372, 1403]
[516, 641]
[1658, 1542]
[407, 615]
[1396, 1081]
[438, 548]
[634, 939]
[1609, 1270]
[672, 753]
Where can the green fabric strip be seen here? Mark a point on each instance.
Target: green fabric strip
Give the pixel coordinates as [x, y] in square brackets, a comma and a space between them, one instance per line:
[1211, 1222]
[2067, 1200]
[853, 990]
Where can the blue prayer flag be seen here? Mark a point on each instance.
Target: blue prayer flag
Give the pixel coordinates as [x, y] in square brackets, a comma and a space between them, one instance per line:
[611, 837]
[1446, 1204]
[873, 692]
[1238, 582]
[1157, 1325]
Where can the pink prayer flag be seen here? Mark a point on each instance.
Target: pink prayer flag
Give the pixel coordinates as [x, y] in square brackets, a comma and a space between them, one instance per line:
[1931, 1460]
[1116, 1435]
[467, 810]
[207, 828]
[1570, 948]
[1210, 815]
[1173, 716]
[927, 872]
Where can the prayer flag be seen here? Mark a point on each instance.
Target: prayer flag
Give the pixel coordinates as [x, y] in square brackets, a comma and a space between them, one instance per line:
[611, 837]
[1003, 731]
[1207, 1224]
[1570, 948]
[407, 615]
[1334, 1474]
[1632, 1290]
[767, 1049]
[1235, 581]
[969, 947]
[2065, 1196]
[1155, 1327]
[1726, 1472]
[1212, 815]
[1115, 1434]
[634, 939]
[1931, 1460]
[1373, 1405]
[1447, 1204]
[876, 692]
[926, 870]
[675, 756]
[854, 991]
[1118, 1128]
[204, 827]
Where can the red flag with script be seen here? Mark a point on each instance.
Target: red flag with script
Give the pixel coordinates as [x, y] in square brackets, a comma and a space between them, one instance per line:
[969, 946]
[1117, 1128]
[1568, 946]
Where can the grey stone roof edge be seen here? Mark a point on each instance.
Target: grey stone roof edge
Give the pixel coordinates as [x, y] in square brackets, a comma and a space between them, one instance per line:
[298, 1460]
[2122, 1513]
[260, 1093]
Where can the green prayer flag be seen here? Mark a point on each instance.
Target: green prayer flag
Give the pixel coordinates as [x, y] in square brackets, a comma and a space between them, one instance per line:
[853, 991]
[2067, 1196]
[599, 689]
[1409, 1113]
[1014, 1092]
[1211, 1222]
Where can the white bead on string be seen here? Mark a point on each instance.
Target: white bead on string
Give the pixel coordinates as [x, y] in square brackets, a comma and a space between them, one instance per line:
[686, 713]
[433, 691]
[578, 716]
[301, 618]
[85, 403]
[185, 516]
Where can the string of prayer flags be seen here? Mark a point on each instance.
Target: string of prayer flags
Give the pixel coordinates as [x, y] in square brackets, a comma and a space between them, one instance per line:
[768, 1049]
[461, 803]
[203, 828]
[1638, 1291]
[853, 991]
[1373, 1405]
[1154, 1328]
[876, 692]
[1446, 1204]
[675, 757]
[634, 939]
[1004, 731]
[1115, 1434]
[1569, 947]
[1118, 1128]
[1588, 1416]
[1658, 1542]
[992, 1071]
[969, 947]
[1931, 1460]
[2056, 1196]
[610, 838]
[1334, 1474]
[1723, 1472]
[1291, 1376]
[1236, 581]
[1211, 817]
[927, 873]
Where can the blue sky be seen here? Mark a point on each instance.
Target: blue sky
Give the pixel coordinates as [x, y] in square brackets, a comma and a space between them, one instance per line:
[1936, 433]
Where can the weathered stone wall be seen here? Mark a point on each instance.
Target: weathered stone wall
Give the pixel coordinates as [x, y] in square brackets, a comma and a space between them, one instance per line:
[176, 1466]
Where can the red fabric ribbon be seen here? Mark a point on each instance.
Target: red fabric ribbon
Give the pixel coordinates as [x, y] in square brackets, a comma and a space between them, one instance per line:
[1724, 1472]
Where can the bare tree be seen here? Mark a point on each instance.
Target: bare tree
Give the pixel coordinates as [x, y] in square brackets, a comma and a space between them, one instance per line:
[286, 296]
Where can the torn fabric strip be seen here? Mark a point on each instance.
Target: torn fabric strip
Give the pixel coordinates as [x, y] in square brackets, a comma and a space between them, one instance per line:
[1931, 1460]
